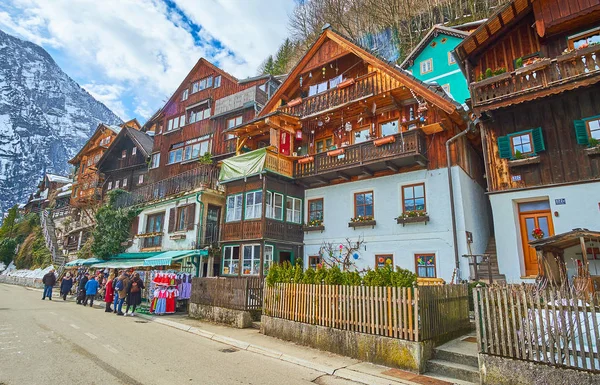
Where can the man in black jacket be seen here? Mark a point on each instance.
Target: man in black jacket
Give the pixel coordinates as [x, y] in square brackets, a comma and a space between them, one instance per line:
[49, 280]
[81, 288]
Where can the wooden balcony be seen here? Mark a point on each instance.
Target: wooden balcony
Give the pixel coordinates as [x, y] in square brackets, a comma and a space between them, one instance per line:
[261, 229]
[279, 164]
[408, 149]
[362, 87]
[546, 77]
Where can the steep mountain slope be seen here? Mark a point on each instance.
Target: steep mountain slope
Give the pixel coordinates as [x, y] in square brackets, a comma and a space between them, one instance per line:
[45, 118]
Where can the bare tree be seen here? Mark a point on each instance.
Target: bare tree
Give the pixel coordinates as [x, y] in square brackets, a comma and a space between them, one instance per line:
[341, 255]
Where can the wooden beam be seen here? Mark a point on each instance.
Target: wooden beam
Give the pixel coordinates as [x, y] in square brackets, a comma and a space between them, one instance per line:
[391, 166]
[366, 171]
[343, 176]
[488, 30]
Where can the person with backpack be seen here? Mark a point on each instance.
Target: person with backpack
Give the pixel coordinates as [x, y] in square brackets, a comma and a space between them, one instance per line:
[91, 289]
[134, 293]
[121, 288]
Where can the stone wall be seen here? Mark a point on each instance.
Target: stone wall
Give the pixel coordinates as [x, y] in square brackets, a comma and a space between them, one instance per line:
[237, 318]
[504, 371]
[387, 351]
[22, 281]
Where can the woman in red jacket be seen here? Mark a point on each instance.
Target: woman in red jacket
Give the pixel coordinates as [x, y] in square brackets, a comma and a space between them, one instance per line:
[110, 292]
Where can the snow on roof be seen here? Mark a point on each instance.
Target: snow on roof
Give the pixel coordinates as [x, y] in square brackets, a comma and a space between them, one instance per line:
[58, 178]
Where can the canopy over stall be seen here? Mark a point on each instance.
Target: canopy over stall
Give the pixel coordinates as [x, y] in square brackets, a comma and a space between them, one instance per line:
[169, 257]
[90, 261]
[74, 263]
[553, 266]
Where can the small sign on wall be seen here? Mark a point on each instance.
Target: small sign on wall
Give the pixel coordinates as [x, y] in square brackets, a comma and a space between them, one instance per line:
[560, 201]
[516, 178]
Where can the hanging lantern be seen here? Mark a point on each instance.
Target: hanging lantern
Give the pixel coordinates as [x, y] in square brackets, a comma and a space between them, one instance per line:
[324, 70]
[300, 81]
[310, 75]
[299, 135]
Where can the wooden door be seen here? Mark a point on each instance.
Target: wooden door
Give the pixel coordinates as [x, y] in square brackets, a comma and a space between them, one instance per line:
[530, 221]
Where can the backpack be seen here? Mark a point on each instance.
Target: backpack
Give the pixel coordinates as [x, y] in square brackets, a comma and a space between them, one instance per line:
[134, 287]
[119, 285]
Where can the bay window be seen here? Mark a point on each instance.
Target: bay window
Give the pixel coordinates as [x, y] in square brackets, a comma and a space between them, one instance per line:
[234, 208]
[251, 260]
[293, 210]
[274, 205]
[253, 205]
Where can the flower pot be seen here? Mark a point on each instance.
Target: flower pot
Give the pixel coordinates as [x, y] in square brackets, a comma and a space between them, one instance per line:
[370, 223]
[294, 102]
[404, 221]
[345, 83]
[384, 140]
[337, 152]
[308, 159]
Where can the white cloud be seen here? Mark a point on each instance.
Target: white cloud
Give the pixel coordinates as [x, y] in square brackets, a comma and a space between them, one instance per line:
[129, 51]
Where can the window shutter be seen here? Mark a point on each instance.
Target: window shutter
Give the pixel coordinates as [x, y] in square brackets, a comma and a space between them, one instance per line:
[538, 139]
[172, 215]
[581, 132]
[504, 147]
[134, 226]
[191, 216]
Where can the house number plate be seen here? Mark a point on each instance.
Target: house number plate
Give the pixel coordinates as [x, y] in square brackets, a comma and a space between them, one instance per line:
[560, 201]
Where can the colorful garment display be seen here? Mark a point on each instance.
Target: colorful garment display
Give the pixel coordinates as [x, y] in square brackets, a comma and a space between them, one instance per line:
[166, 289]
[185, 285]
[164, 301]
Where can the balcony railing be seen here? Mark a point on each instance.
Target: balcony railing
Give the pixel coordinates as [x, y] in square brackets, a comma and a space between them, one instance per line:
[258, 229]
[205, 176]
[542, 75]
[410, 145]
[363, 87]
[279, 164]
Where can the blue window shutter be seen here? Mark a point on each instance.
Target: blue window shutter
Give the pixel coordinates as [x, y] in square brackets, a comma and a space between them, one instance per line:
[581, 132]
[538, 139]
[504, 147]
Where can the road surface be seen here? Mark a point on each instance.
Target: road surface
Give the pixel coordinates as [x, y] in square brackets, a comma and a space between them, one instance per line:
[56, 342]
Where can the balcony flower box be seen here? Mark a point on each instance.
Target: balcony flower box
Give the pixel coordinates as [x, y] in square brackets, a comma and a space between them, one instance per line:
[385, 140]
[177, 237]
[415, 216]
[345, 83]
[307, 228]
[592, 151]
[149, 235]
[306, 159]
[574, 54]
[524, 161]
[294, 102]
[492, 80]
[337, 152]
[361, 221]
[538, 65]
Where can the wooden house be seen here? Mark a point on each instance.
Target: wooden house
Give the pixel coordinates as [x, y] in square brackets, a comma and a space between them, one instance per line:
[352, 150]
[47, 189]
[533, 69]
[124, 165]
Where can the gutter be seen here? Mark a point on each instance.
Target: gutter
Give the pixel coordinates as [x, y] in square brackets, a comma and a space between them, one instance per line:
[470, 126]
[199, 232]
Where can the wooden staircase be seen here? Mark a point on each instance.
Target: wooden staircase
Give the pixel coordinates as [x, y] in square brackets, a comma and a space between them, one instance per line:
[58, 260]
[490, 265]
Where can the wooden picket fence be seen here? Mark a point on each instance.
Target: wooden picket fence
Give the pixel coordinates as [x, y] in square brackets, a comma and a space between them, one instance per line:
[386, 311]
[555, 326]
[235, 293]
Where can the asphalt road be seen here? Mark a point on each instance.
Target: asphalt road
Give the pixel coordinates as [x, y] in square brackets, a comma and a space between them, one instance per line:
[56, 342]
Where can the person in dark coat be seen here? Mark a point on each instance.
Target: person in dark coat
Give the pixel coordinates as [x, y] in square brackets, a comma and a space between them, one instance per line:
[81, 288]
[134, 293]
[48, 280]
[65, 286]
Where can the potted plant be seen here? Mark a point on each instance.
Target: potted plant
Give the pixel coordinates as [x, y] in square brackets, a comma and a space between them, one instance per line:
[593, 147]
[412, 216]
[314, 225]
[362, 220]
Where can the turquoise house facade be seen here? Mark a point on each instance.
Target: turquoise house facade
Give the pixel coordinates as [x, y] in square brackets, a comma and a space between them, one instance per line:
[432, 61]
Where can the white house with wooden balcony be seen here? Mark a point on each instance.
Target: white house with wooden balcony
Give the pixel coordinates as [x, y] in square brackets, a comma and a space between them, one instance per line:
[355, 155]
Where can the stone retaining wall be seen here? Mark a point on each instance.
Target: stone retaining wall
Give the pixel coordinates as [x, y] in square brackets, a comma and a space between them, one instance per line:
[29, 282]
[406, 355]
[237, 318]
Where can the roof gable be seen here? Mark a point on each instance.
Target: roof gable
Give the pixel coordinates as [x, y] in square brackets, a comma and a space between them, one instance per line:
[141, 140]
[99, 131]
[435, 31]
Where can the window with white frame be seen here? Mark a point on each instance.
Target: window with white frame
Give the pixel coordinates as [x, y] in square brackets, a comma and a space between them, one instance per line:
[234, 122]
[426, 66]
[176, 153]
[199, 113]
[133, 151]
[389, 128]
[124, 182]
[451, 59]
[231, 260]
[109, 187]
[234, 208]
[141, 179]
[274, 205]
[253, 205]
[268, 259]
[175, 123]
[123, 154]
[446, 88]
[185, 94]
[196, 147]
[293, 210]
[251, 260]
[202, 84]
[217, 81]
[117, 183]
[155, 162]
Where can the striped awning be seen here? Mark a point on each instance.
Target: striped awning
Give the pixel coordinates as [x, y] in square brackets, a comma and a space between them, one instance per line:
[119, 264]
[168, 257]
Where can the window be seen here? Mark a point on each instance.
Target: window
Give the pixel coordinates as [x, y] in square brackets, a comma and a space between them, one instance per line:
[123, 154]
[324, 144]
[268, 259]
[362, 135]
[194, 87]
[426, 66]
[425, 265]
[133, 151]
[181, 218]
[363, 204]
[253, 205]
[231, 260]
[196, 147]
[584, 39]
[199, 113]
[446, 88]
[451, 59]
[527, 143]
[274, 206]
[175, 123]
[176, 153]
[209, 81]
[335, 81]
[154, 224]
[587, 129]
[251, 260]
[117, 183]
[234, 208]
[202, 84]
[217, 81]
[594, 128]
[140, 179]
[125, 182]
[109, 187]
[234, 122]
[293, 210]
[184, 95]
[521, 144]
[155, 160]
[182, 121]
[313, 261]
[389, 128]
[315, 209]
[413, 197]
[384, 260]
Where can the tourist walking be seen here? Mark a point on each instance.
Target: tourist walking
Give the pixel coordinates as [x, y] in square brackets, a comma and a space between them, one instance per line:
[109, 292]
[48, 280]
[91, 289]
[65, 286]
[134, 293]
[81, 288]
[121, 289]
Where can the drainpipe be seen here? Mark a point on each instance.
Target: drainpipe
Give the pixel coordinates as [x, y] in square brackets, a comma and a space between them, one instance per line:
[199, 232]
[470, 126]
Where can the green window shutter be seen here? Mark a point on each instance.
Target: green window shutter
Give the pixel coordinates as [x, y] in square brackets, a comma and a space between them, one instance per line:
[581, 132]
[538, 139]
[504, 147]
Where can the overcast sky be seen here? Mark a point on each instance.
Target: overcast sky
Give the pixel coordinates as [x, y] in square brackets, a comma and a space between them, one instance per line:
[132, 54]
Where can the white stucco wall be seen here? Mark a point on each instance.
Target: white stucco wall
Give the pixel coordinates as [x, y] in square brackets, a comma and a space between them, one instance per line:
[582, 210]
[388, 237]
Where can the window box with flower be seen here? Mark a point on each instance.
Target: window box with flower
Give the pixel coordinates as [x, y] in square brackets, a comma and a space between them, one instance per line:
[412, 216]
[314, 225]
[362, 221]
